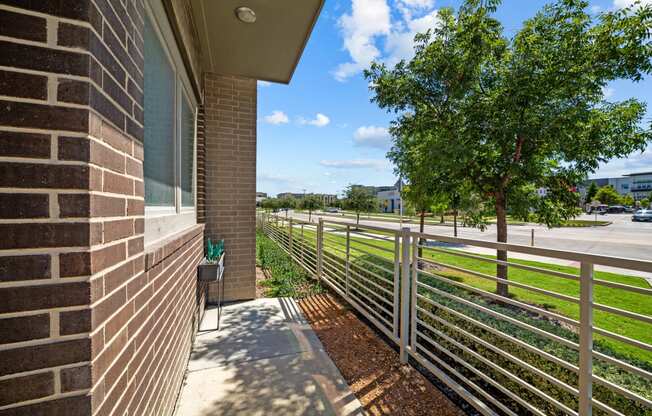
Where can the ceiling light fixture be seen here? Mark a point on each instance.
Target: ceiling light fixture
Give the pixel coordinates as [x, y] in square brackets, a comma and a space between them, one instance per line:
[245, 14]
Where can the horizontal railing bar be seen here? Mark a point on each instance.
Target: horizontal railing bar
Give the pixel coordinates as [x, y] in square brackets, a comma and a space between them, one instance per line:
[384, 279]
[504, 263]
[359, 241]
[383, 268]
[366, 296]
[608, 410]
[440, 374]
[371, 254]
[620, 262]
[624, 313]
[499, 315]
[376, 285]
[622, 364]
[366, 314]
[369, 310]
[620, 390]
[477, 372]
[503, 299]
[629, 288]
[507, 337]
[506, 355]
[501, 370]
[640, 344]
[506, 281]
[365, 226]
[376, 237]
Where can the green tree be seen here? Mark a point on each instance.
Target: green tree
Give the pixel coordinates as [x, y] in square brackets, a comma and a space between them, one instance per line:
[608, 195]
[269, 204]
[645, 203]
[287, 203]
[590, 193]
[511, 115]
[359, 199]
[628, 200]
[311, 203]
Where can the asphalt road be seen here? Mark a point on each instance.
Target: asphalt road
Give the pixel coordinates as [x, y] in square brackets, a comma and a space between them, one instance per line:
[623, 238]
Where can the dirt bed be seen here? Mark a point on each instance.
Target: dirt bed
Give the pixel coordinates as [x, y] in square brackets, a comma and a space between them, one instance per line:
[370, 366]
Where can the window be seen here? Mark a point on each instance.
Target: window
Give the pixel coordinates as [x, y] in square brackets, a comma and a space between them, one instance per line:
[170, 119]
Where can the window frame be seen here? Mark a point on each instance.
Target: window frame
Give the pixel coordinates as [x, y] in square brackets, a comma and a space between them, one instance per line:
[163, 221]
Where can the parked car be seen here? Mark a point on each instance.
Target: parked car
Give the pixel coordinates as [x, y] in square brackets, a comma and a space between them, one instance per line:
[332, 209]
[642, 215]
[599, 209]
[629, 209]
[616, 209]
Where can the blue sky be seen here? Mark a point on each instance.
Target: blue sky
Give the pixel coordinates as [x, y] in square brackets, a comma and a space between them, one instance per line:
[321, 132]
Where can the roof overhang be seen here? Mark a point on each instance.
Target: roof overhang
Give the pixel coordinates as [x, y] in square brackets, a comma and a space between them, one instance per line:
[268, 49]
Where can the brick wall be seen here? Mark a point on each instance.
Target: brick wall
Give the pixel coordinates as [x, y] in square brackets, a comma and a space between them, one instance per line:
[230, 175]
[90, 321]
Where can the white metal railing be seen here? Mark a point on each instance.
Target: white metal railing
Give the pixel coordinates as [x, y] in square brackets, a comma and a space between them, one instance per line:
[504, 355]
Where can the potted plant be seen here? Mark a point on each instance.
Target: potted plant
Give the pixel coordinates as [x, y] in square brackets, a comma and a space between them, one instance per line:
[211, 267]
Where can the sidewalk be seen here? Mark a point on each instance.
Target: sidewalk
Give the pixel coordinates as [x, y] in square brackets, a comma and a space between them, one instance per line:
[265, 360]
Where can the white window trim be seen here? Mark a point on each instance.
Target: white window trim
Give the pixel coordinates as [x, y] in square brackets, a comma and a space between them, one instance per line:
[163, 221]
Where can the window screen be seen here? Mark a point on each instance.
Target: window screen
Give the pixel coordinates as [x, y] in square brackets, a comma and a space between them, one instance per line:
[160, 87]
[187, 153]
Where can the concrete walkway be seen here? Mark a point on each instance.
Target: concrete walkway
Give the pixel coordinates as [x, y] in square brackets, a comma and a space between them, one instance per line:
[265, 360]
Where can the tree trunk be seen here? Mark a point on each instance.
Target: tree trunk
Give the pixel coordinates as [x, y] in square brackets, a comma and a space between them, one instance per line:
[357, 221]
[421, 240]
[501, 225]
[309, 215]
[455, 223]
[441, 219]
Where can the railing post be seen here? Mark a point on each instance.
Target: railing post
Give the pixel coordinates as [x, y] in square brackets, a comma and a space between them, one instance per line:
[405, 294]
[586, 339]
[302, 247]
[348, 256]
[397, 283]
[413, 293]
[290, 237]
[320, 247]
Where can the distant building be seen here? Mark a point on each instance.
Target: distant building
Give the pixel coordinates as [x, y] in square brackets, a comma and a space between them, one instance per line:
[389, 197]
[326, 199]
[260, 196]
[639, 185]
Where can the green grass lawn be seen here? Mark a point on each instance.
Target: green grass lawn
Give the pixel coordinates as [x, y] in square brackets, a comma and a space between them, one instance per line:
[618, 298]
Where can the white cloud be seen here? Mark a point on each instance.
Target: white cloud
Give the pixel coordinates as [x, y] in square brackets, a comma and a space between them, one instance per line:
[368, 20]
[277, 117]
[372, 136]
[621, 4]
[595, 9]
[377, 164]
[370, 24]
[608, 92]
[632, 163]
[264, 83]
[320, 120]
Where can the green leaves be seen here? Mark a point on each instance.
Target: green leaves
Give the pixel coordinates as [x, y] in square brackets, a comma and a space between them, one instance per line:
[507, 116]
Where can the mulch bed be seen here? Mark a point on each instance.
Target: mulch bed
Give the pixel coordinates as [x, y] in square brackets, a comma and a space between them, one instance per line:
[371, 367]
[260, 289]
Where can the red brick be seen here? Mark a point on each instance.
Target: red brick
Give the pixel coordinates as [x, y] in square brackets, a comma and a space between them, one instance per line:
[32, 145]
[108, 306]
[136, 245]
[69, 406]
[33, 175]
[30, 387]
[44, 356]
[26, 298]
[74, 264]
[135, 207]
[116, 230]
[75, 378]
[107, 257]
[22, 26]
[75, 322]
[33, 235]
[14, 206]
[24, 328]
[16, 268]
[118, 276]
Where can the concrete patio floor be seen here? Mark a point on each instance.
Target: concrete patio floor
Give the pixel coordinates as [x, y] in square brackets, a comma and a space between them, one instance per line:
[264, 360]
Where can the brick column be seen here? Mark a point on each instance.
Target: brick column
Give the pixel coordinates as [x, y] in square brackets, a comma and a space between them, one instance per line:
[230, 178]
[71, 198]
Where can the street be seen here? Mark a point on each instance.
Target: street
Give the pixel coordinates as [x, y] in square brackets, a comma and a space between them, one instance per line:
[623, 238]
